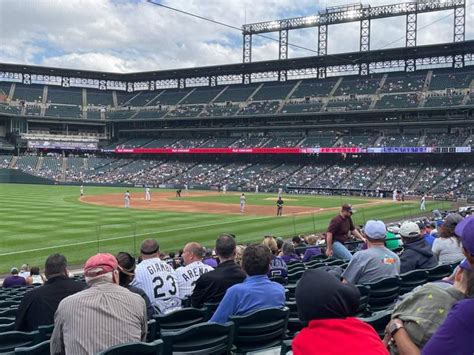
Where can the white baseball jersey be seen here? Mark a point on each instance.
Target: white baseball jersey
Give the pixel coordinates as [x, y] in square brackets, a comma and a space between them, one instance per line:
[160, 283]
[188, 275]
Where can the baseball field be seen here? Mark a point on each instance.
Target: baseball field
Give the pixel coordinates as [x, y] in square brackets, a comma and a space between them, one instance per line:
[38, 220]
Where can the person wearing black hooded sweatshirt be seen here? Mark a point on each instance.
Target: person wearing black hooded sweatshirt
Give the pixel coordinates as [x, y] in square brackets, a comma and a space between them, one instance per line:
[328, 305]
[417, 252]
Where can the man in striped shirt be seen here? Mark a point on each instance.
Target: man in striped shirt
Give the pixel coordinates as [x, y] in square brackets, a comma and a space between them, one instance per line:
[157, 278]
[193, 269]
[103, 315]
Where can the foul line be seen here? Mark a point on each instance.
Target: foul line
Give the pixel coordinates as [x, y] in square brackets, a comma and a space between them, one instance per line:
[132, 235]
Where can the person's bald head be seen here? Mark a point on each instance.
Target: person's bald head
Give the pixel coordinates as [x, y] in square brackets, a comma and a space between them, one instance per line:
[149, 249]
[192, 252]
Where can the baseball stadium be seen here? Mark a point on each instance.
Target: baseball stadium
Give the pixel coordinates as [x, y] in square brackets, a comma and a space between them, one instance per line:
[340, 155]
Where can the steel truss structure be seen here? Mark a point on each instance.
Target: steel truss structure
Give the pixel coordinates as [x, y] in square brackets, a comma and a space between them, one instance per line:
[356, 13]
[449, 55]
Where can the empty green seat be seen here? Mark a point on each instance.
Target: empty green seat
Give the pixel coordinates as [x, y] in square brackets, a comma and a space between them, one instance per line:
[153, 348]
[412, 279]
[11, 340]
[384, 293]
[180, 319]
[204, 338]
[260, 330]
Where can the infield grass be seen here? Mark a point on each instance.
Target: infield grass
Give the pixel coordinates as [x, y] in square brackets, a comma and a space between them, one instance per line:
[38, 220]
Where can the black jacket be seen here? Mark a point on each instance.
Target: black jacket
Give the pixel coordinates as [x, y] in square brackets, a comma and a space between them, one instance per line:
[417, 255]
[39, 305]
[211, 286]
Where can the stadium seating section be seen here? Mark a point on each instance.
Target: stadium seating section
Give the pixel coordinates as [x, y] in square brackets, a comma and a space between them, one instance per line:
[398, 90]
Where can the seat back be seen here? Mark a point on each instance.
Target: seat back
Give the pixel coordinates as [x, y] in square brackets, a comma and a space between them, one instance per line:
[412, 279]
[281, 280]
[211, 309]
[294, 322]
[439, 272]
[38, 349]
[7, 327]
[7, 320]
[153, 348]
[295, 266]
[364, 300]
[291, 291]
[384, 293]
[204, 338]
[46, 331]
[8, 312]
[11, 340]
[179, 319]
[260, 330]
[379, 321]
[294, 277]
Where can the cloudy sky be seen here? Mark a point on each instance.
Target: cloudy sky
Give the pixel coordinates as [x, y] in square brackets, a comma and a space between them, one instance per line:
[134, 35]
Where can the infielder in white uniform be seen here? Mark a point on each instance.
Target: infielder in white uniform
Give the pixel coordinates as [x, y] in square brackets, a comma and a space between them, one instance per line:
[147, 194]
[256, 189]
[280, 192]
[193, 269]
[242, 203]
[422, 203]
[82, 190]
[126, 199]
[394, 196]
[157, 279]
[224, 189]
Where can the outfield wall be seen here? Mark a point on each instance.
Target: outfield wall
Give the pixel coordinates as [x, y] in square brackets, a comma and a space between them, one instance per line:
[20, 177]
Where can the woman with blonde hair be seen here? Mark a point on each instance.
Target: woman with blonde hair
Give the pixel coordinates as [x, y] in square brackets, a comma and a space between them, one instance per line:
[277, 266]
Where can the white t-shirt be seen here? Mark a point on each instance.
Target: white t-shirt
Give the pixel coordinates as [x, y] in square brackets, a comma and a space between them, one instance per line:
[188, 275]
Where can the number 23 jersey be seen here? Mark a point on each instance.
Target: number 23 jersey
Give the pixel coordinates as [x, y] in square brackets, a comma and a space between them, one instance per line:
[160, 283]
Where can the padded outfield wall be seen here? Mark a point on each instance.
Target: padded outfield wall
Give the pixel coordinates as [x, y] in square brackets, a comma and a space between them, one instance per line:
[20, 177]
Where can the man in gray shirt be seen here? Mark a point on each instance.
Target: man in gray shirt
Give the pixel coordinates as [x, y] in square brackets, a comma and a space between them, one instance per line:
[375, 263]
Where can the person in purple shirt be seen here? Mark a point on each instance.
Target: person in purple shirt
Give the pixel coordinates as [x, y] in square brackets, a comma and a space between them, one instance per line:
[312, 249]
[208, 259]
[288, 253]
[455, 335]
[14, 280]
[256, 292]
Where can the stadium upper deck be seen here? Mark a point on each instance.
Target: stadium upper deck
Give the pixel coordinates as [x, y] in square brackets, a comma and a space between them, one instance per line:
[299, 87]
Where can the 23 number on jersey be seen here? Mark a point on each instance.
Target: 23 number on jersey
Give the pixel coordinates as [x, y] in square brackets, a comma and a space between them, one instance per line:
[159, 283]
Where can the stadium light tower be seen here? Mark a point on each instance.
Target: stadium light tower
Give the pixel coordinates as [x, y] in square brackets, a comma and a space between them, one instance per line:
[355, 13]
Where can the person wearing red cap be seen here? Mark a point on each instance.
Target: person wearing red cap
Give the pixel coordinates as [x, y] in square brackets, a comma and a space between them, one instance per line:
[87, 322]
[338, 234]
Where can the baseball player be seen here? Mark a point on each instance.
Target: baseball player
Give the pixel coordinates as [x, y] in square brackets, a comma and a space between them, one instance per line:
[82, 190]
[279, 206]
[193, 268]
[185, 188]
[280, 192]
[224, 189]
[256, 189]
[422, 203]
[126, 198]
[147, 194]
[242, 203]
[394, 195]
[157, 279]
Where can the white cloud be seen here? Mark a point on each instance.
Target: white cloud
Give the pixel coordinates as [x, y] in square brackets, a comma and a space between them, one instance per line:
[125, 36]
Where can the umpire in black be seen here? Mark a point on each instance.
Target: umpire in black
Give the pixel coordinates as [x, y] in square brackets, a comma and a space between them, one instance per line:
[279, 206]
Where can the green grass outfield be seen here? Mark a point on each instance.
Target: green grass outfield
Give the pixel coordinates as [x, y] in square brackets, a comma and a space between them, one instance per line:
[38, 220]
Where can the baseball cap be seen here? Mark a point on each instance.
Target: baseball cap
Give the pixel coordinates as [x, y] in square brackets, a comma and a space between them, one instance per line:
[14, 270]
[99, 264]
[410, 230]
[465, 265]
[375, 229]
[465, 231]
[452, 220]
[347, 207]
